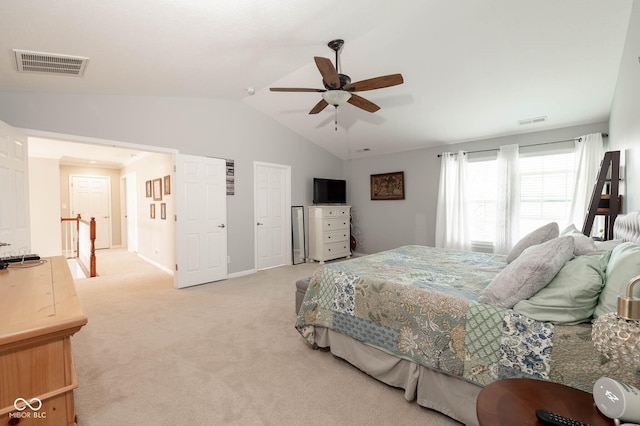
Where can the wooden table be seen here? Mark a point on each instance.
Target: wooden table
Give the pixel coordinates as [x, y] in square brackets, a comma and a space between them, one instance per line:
[39, 311]
[515, 401]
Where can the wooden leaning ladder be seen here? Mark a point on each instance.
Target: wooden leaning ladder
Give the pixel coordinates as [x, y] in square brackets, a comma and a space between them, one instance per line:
[601, 204]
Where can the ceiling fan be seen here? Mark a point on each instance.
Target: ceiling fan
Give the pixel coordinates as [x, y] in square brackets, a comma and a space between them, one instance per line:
[339, 88]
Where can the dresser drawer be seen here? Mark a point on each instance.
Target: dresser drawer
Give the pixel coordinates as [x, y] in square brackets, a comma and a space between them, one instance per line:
[335, 250]
[335, 224]
[336, 212]
[335, 236]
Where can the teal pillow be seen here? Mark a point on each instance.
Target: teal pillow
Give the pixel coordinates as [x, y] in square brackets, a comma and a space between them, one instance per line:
[571, 297]
[623, 265]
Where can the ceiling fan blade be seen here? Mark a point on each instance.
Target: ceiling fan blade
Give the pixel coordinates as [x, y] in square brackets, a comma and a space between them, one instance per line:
[375, 83]
[328, 72]
[294, 89]
[319, 107]
[361, 102]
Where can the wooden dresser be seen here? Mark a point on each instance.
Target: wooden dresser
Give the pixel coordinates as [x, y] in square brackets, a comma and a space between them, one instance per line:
[39, 311]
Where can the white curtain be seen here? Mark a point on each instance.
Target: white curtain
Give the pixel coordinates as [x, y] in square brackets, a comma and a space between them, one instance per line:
[589, 153]
[508, 199]
[452, 225]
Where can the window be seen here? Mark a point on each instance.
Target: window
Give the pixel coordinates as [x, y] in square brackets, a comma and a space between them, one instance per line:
[546, 189]
[546, 185]
[482, 196]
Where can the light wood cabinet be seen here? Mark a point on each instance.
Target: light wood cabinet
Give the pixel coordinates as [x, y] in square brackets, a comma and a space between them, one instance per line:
[329, 232]
[39, 311]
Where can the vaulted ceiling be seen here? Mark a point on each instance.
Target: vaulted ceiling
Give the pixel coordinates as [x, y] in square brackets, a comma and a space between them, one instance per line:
[472, 69]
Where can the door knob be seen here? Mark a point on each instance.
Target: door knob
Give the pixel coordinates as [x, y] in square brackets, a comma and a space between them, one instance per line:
[221, 226]
[259, 223]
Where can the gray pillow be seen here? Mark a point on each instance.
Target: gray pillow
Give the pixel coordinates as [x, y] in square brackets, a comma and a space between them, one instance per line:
[530, 272]
[538, 236]
[623, 265]
[571, 297]
[583, 244]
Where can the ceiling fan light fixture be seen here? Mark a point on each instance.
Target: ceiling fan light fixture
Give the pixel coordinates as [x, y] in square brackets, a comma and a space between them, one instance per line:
[336, 97]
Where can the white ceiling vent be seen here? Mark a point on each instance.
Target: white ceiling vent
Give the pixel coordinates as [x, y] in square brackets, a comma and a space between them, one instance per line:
[534, 120]
[50, 63]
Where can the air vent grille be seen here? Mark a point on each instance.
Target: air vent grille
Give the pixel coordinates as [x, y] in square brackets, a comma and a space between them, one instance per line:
[50, 63]
[533, 120]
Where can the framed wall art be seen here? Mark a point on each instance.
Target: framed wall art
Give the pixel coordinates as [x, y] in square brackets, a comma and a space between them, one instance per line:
[163, 211]
[387, 186]
[167, 185]
[152, 210]
[149, 190]
[157, 189]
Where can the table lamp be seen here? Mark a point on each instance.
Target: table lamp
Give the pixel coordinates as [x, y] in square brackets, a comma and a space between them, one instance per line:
[617, 335]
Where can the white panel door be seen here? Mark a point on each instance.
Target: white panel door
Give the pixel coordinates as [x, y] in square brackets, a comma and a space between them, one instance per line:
[14, 192]
[201, 220]
[91, 197]
[272, 215]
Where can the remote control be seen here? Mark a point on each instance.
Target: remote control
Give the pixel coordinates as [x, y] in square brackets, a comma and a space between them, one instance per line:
[20, 258]
[553, 419]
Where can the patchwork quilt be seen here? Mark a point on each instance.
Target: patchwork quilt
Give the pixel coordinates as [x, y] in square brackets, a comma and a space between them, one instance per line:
[420, 303]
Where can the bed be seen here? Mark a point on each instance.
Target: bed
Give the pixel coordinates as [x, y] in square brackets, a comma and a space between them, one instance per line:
[422, 318]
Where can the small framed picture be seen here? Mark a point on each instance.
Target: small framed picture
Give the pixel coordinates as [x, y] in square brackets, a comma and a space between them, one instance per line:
[149, 193]
[163, 211]
[387, 186]
[167, 185]
[152, 210]
[157, 189]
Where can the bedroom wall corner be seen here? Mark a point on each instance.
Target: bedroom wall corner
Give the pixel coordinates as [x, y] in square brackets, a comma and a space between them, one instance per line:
[624, 134]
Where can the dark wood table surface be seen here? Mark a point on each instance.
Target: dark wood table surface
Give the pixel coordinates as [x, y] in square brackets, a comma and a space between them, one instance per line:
[515, 401]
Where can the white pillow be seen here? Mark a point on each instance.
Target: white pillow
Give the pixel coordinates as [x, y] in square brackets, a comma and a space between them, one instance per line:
[537, 236]
[607, 245]
[529, 273]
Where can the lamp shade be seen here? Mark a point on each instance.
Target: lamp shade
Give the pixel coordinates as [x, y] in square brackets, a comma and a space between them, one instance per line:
[336, 97]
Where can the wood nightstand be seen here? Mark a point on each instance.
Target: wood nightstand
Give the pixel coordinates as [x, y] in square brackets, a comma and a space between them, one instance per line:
[515, 401]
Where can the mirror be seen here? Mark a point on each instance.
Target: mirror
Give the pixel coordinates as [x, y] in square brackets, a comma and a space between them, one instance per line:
[298, 251]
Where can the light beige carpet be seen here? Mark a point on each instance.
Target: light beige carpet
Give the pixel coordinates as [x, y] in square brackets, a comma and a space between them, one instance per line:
[224, 353]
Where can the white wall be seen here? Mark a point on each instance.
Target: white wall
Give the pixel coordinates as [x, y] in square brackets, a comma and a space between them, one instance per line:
[156, 237]
[625, 114]
[381, 225]
[44, 198]
[208, 127]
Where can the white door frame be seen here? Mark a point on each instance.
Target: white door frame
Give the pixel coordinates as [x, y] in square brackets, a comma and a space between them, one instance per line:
[286, 229]
[129, 212]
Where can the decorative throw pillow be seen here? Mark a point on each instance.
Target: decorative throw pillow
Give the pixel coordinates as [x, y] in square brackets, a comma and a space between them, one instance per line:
[623, 265]
[530, 272]
[583, 244]
[571, 297]
[538, 236]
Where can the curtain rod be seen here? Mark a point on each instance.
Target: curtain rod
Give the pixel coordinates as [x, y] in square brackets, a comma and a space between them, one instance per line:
[579, 139]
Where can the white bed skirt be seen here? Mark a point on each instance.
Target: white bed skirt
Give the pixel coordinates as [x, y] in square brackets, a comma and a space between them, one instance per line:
[449, 395]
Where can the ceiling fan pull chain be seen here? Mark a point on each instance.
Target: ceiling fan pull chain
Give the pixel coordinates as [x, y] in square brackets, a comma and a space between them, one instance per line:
[336, 118]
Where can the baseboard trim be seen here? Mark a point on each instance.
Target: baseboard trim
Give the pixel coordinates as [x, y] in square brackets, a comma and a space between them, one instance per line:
[157, 265]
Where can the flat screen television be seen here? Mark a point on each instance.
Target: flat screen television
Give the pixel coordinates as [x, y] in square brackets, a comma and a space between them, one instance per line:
[329, 191]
